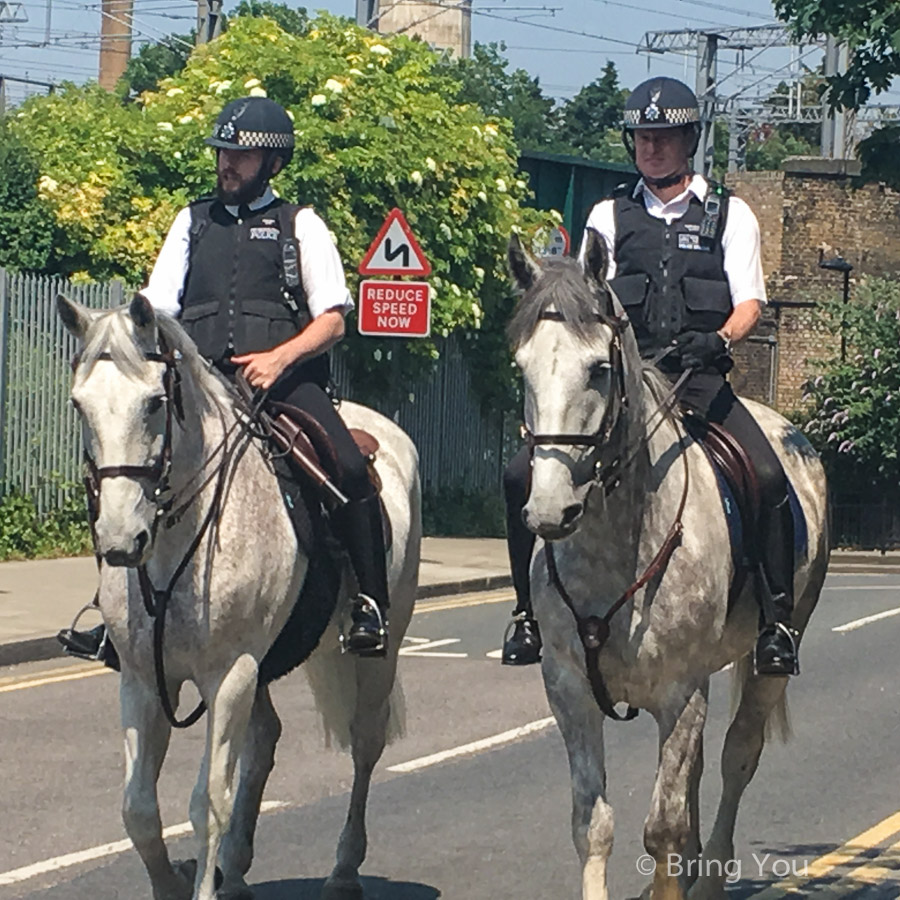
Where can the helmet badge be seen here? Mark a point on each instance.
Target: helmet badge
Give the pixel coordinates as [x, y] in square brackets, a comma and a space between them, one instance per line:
[652, 111]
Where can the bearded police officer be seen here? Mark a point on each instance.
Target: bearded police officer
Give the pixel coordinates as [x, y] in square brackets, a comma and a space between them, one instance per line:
[685, 264]
[258, 283]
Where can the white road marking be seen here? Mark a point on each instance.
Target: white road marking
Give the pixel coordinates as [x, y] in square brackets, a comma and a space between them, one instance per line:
[506, 737]
[427, 649]
[867, 620]
[495, 654]
[15, 876]
[862, 587]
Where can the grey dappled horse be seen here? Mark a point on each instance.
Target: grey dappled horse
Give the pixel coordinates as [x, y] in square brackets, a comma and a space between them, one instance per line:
[579, 359]
[233, 598]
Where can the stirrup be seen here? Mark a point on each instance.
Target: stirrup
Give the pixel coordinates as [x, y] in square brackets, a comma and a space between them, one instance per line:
[792, 635]
[369, 605]
[63, 635]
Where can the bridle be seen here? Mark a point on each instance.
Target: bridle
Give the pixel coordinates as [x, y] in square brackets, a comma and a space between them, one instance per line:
[614, 416]
[593, 631]
[157, 473]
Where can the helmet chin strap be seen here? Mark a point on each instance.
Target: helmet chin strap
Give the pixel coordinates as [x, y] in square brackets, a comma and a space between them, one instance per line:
[666, 180]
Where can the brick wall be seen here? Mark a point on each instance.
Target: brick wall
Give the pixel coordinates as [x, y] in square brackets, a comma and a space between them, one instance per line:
[813, 209]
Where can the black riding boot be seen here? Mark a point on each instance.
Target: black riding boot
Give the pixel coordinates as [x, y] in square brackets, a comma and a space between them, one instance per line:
[776, 646]
[522, 647]
[360, 527]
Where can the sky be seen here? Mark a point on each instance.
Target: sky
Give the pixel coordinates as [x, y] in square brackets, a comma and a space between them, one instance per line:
[564, 43]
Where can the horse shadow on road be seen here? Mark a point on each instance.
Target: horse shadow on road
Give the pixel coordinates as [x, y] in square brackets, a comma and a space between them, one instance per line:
[373, 889]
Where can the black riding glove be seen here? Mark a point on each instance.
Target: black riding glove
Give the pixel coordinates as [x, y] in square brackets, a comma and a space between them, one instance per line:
[700, 349]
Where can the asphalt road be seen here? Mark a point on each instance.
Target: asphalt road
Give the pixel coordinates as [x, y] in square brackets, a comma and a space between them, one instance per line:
[486, 824]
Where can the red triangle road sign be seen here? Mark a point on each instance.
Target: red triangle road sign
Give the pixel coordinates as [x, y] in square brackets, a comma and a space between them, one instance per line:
[395, 251]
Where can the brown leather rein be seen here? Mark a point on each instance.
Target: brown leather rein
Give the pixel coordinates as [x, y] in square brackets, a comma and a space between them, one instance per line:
[593, 631]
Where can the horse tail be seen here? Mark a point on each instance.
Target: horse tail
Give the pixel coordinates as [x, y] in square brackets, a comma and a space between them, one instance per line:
[778, 721]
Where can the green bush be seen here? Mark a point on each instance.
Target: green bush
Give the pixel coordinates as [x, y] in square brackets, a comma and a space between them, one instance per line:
[26, 533]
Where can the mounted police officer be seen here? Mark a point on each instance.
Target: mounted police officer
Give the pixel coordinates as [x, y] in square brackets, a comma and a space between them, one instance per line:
[258, 283]
[685, 264]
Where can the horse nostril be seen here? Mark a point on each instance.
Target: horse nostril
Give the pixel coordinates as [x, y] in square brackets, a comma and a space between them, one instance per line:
[571, 513]
[140, 543]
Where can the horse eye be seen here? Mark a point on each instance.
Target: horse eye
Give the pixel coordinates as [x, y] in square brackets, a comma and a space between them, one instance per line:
[598, 370]
[154, 404]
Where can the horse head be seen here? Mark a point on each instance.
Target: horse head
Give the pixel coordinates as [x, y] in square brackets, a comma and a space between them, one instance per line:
[126, 389]
[579, 360]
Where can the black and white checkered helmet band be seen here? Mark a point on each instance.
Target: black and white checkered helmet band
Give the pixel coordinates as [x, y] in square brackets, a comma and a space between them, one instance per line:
[270, 140]
[659, 116]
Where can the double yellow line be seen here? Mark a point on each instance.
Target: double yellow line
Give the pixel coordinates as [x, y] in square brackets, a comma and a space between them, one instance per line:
[867, 873]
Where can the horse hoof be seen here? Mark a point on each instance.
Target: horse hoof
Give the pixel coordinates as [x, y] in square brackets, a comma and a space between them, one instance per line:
[345, 891]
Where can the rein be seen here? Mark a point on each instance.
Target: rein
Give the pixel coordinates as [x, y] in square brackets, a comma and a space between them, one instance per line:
[594, 630]
[156, 601]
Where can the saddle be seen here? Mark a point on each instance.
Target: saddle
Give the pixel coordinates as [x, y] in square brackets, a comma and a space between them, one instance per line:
[736, 469]
[304, 442]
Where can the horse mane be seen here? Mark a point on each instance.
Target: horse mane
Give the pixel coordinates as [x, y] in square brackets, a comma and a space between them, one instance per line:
[562, 285]
[113, 332]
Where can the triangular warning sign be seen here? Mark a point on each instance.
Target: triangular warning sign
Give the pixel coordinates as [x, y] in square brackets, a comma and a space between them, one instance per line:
[395, 251]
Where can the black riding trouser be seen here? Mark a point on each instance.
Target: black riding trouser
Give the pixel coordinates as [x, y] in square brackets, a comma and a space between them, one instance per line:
[359, 523]
[709, 396]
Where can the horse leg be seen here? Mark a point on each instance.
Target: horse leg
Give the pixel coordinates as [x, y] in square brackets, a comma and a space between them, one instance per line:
[212, 802]
[694, 848]
[667, 829]
[146, 742]
[740, 757]
[581, 723]
[368, 734]
[257, 762]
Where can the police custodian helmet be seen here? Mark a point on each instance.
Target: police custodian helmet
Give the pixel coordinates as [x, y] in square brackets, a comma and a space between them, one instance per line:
[661, 103]
[254, 123]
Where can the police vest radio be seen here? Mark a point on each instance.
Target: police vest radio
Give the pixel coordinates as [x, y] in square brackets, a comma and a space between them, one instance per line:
[712, 213]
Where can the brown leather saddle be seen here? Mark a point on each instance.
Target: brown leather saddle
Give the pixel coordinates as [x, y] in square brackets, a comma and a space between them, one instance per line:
[301, 436]
[737, 469]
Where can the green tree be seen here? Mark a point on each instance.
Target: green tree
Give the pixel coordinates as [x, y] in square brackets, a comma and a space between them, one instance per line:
[591, 122]
[486, 82]
[153, 62]
[289, 19]
[871, 28]
[854, 414]
[376, 127]
[27, 227]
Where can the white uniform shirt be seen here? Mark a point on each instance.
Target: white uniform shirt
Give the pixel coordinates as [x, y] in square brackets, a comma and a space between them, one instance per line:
[740, 238]
[320, 263]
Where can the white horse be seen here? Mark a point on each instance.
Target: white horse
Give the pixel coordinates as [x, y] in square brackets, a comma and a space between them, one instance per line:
[176, 466]
[590, 403]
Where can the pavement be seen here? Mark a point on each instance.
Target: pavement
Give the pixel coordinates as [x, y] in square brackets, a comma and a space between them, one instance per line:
[38, 597]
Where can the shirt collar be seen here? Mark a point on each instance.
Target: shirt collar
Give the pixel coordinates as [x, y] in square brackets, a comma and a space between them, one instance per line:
[267, 197]
[697, 186]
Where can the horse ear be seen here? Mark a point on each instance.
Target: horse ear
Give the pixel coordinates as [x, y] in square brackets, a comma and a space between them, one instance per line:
[523, 267]
[74, 316]
[142, 312]
[596, 256]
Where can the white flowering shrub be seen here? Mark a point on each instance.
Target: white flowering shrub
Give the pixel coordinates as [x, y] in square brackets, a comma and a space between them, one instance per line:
[376, 127]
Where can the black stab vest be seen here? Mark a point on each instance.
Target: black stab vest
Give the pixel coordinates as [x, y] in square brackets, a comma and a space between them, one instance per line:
[668, 278]
[235, 299]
